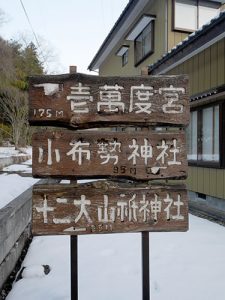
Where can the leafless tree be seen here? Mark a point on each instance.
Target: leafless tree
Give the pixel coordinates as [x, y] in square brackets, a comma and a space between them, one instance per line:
[15, 111]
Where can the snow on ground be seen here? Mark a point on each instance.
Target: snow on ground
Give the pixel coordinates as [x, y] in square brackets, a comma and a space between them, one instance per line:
[184, 266]
[27, 162]
[18, 168]
[12, 186]
[10, 151]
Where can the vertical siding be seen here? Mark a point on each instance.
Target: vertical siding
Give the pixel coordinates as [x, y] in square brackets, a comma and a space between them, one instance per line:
[221, 62]
[207, 181]
[185, 65]
[207, 54]
[200, 176]
[219, 183]
[190, 73]
[195, 73]
[206, 70]
[213, 66]
[201, 72]
[212, 174]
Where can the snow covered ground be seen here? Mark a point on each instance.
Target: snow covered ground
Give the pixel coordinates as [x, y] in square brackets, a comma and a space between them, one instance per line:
[10, 151]
[24, 167]
[184, 266]
[13, 185]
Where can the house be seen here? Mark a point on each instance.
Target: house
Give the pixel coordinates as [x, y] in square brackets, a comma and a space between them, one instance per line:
[180, 37]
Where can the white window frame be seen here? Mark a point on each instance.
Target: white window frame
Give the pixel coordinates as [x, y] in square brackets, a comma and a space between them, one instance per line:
[198, 7]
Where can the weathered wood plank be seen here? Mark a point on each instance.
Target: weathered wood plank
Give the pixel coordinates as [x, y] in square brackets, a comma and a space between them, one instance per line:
[83, 101]
[95, 154]
[108, 207]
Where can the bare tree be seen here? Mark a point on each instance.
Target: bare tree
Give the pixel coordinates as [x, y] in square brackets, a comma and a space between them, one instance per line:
[15, 111]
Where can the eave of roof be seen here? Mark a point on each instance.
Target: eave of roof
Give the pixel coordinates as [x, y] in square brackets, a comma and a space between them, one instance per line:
[120, 28]
[118, 23]
[192, 38]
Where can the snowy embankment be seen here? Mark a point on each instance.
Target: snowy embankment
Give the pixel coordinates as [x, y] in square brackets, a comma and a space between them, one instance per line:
[13, 185]
[10, 151]
[184, 266]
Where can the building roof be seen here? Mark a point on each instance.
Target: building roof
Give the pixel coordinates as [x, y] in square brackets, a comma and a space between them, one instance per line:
[120, 28]
[127, 18]
[202, 34]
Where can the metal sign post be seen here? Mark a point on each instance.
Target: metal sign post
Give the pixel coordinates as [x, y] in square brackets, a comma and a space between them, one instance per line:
[74, 266]
[145, 266]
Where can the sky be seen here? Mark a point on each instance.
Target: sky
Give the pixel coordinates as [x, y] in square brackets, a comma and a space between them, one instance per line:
[69, 32]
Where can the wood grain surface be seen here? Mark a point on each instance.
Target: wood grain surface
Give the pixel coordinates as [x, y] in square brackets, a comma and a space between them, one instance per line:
[95, 154]
[108, 207]
[84, 101]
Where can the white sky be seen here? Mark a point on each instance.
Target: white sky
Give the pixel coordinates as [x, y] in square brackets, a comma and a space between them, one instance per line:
[73, 29]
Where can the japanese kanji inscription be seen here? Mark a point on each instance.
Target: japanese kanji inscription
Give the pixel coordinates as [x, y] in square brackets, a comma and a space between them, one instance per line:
[96, 154]
[80, 101]
[83, 101]
[106, 207]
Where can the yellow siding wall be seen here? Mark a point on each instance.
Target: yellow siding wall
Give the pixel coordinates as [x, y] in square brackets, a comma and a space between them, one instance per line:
[206, 70]
[165, 39]
[207, 181]
[113, 64]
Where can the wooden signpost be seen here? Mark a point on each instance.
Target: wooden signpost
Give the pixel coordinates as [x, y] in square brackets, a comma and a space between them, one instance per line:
[96, 154]
[108, 207]
[79, 101]
[84, 101]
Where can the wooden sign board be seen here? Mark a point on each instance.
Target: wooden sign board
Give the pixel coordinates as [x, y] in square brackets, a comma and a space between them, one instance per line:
[107, 207]
[83, 101]
[96, 154]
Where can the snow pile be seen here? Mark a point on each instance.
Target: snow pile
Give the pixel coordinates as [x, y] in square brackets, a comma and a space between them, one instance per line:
[33, 271]
[12, 186]
[183, 266]
[18, 168]
[52, 251]
[10, 151]
[27, 162]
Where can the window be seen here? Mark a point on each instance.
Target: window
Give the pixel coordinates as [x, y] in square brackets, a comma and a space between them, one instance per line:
[192, 137]
[189, 15]
[123, 53]
[143, 44]
[125, 58]
[210, 134]
[203, 135]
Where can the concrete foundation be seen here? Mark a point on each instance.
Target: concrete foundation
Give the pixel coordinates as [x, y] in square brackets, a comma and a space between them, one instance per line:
[209, 206]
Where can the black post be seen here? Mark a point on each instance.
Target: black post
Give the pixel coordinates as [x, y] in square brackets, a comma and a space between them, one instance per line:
[74, 266]
[145, 266]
